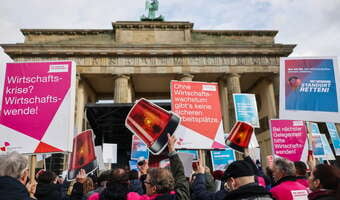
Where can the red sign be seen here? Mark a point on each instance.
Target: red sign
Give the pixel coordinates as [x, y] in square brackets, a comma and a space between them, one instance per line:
[198, 105]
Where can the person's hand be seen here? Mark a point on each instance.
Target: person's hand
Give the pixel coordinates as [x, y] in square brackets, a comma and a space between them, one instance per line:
[143, 169]
[171, 143]
[60, 180]
[246, 152]
[81, 177]
[311, 162]
[31, 188]
[200, 168]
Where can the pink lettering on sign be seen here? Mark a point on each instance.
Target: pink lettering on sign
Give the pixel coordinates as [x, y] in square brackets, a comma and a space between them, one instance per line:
[32, 94]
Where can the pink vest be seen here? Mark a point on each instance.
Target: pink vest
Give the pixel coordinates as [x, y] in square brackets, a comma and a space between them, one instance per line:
[288, 190]
[303, 182]
[261, 181]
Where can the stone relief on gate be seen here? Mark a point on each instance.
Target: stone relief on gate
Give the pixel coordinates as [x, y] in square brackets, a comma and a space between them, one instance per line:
[166, 60]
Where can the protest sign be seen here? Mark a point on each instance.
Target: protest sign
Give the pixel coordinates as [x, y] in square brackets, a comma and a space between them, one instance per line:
[318, 149]
[309, 89]
[151, 124]
[314, 127]
[110, 153]
[327, 148]
[187, 160]
[139, 150]
[99, 156]
[194, 153]
[37, 107]
[133, 165]
[246, 109]
[334, 137]
[289, 139]
[221, 158]
[198, 105]
[83, 155]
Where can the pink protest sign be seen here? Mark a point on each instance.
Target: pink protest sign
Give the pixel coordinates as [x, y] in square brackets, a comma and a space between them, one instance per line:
[37, 107]
[289, 139]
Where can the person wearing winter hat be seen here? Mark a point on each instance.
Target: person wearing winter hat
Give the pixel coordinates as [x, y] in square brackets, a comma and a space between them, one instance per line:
[240, 180]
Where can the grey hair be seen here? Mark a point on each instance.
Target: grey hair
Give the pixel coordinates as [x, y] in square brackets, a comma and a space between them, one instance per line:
[287, 167]
[13, 165]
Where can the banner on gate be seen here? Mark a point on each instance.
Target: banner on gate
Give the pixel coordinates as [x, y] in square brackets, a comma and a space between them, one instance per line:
[198, 105]
[289, 139]
[37, 107]
[309, 89]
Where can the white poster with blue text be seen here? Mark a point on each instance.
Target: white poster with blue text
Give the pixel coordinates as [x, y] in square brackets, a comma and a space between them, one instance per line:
[334, 137]
[246, 109]
[309, 89]
[221, 158]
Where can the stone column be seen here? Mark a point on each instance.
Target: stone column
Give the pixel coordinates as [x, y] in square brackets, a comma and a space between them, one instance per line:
[233, 84]
[122, 89]
[223, 92]
[276, 84]
[186, 77]
[80, 104]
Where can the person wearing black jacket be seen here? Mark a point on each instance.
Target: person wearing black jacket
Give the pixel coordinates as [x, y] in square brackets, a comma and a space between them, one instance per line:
[240, 180]
[47, 188]
[13, 177]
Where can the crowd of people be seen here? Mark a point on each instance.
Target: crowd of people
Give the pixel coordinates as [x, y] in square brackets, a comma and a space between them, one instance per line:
[242, 179]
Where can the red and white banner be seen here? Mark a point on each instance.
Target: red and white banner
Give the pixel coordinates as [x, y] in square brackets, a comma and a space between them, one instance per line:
[37, 107]
[198, 105]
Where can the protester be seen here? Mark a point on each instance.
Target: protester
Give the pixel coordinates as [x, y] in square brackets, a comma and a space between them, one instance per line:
[88, 187]
[135, 185]
[102, 180]
[13, 177]
[208, 179]
[240, 180]
[286, 187]
[199, 187]
[324, 181]
[163, 184]
[117, 187]
[301, 173]
[47, 188]
[78, 187]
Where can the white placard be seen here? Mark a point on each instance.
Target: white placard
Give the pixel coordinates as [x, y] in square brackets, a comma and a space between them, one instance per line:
[110, 153]
[99, 156]
[186, 159]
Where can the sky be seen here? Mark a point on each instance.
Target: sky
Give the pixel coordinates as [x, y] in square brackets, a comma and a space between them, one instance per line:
[314, 25]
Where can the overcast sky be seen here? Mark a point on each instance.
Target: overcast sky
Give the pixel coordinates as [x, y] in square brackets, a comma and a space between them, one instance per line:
[314, 25]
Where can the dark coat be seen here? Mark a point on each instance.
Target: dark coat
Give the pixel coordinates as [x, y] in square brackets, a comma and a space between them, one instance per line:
[11, 188]
[136, 186]
[48, 192]
[200, 191]
[250, 191]
[181, 183]
[322, 195]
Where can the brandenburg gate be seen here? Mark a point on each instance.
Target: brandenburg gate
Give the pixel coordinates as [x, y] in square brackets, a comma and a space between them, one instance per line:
[139, 59]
